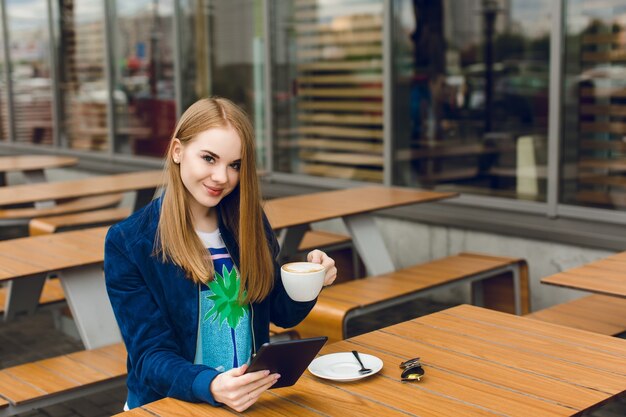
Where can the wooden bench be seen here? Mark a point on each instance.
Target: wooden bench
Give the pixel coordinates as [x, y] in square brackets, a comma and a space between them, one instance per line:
[596, 313]
[494, 281]
[51, 381]
[24, 214]
[93, 218]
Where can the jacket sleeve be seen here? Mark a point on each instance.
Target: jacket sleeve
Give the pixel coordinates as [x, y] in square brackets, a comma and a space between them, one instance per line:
[153, 355]
[284, 312]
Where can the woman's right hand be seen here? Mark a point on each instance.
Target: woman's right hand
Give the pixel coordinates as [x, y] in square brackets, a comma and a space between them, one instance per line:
[239, 390]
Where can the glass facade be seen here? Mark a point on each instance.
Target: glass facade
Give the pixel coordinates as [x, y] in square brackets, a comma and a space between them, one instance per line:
[222, 53]
[328, 89]
[594, 103]
[471, 96]
[515, 99]
[143, 74]
[29, 54]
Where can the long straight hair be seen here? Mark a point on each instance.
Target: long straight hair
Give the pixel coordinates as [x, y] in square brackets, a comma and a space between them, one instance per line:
[240, 211]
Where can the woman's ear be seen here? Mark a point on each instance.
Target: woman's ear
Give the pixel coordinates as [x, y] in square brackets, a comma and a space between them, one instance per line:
[177, 150]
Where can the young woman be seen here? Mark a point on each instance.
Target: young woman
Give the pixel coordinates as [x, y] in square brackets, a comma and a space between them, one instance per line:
[192, 277]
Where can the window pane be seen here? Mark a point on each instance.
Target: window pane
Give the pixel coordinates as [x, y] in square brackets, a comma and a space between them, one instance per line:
[471, 95]
[4, 107]
[327, 91]
[28, 35]
[222, 54]
[594, 97]
[145, 102]
[83, 81]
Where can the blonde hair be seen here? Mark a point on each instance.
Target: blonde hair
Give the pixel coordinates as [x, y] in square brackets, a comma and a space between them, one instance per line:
[240, 211]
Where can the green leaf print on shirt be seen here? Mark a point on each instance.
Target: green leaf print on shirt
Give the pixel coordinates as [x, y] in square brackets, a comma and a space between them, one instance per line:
[226, 307]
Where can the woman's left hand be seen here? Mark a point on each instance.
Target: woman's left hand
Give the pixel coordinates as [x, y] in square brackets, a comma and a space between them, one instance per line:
[318, 257]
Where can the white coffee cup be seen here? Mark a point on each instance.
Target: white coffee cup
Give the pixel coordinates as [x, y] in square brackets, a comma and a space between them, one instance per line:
[303, 281]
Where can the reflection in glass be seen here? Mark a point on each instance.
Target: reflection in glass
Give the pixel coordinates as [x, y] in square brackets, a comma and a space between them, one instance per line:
[145, 103]
[29, 51]
[471, 95]
[594, 97]
[327, 92]
[82, 75]
[222, 54]
[4, 108]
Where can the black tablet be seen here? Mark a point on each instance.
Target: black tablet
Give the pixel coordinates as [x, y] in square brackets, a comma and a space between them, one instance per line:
[289, 358]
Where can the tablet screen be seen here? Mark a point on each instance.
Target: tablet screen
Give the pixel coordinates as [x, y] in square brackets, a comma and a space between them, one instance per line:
[289, 358]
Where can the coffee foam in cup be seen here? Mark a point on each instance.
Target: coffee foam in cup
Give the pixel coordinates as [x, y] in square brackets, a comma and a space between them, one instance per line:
[302, 267]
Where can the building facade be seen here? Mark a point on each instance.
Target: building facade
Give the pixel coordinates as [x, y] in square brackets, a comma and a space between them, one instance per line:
[519, 105]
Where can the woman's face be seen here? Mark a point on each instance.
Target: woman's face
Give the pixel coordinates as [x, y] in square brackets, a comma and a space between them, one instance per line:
[209, 166]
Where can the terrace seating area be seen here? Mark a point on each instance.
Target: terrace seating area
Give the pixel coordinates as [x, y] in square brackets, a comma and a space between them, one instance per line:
[68, 283]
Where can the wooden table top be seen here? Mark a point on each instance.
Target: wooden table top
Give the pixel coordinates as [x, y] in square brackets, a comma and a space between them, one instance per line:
[34, 162]
[604, 276]
[477, 362]
[103, 184]
[310, 208]
[27, 256]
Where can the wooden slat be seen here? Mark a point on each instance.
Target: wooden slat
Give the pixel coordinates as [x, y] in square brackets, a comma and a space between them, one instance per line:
[602, 197]
[368, 92]
[603, 92]
[616, 181]
[612, 145]
[35, 162]
[98, 185]
[45, 225]
[603, 57]
[479, 368]
[343, 132]
[494, 351]
[342, 158]
[339, 52]
[611, 164]
[602, 38]
[354, 399]
[54, 252]
[355, 106]
[594, 313]
[71, 206]
[313, 239]
[601, 127]
[469, 390]
[603, 110]
[334, 144]
[341, 119]
[338, 65]
[341, 79]
[342, 172]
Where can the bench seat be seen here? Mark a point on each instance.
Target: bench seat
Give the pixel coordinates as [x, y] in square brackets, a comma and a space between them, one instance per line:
[93, 218]
[340, 303]
[596, 313]
[63, 207]
[51, 381]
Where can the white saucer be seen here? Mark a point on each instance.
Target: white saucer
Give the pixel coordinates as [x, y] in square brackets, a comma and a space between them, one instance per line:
[343, 366]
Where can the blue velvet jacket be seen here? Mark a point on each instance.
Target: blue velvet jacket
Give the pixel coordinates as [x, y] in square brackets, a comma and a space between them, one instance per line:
[156, 308]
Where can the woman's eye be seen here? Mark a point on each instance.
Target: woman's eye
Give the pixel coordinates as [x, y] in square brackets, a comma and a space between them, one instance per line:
[208, 158]
[236, 166]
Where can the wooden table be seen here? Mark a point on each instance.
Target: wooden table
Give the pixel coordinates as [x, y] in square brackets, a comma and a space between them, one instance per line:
[292, 216]
[478, 362]
[605, 276]
[33, 166]
[79, 265]
[144, 182]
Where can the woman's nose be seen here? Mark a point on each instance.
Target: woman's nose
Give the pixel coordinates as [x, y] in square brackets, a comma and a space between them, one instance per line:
[220, 174]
